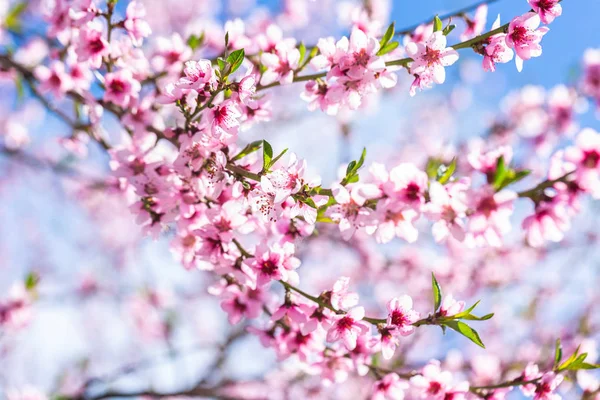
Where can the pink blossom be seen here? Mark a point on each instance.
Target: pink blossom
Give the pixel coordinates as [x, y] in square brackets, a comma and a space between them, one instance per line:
[15, 309]
[490, 218]
[238, 304]
[121, 87]
[531, 372]
[274, 263]
[496, 50]
[388, 340]
[585, 155]
[401, 315]
[431, 57]
[546, 9]
[432, 382]
[341, 298]
[54, 80]
[450, 306]
[295, 311]
[92, 46]
[407, 184]
[223, 121]
[170, 53]
[447, 208]
[549, 222]
[476, 25]
[347, 327]
[590, 83]
[546, 387]
[135, 24]
[390, 387]
[199, 76]
[280, 65]
[25, 393]
[524, 37]
[349, 212]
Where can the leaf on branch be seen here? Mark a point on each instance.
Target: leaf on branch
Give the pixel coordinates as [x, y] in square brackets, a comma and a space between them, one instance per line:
[267, 155]
[437, 24]
[12, 21]
[557, 353]
[466, 331]
[388, 48]
[448, 29]
[249, 149]
[302, 49]
[352, 169]
[235, 60]
[388, 35]
[445, 177]
[437, 293]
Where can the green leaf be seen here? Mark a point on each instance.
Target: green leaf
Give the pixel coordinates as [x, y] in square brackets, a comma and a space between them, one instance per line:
[361, 160]
[353, 179]
[313, 52]
[448, 29]
[12, 21]
[277, 158]
[195, 41]
[557, 353]
[501, 173]
[226, 39]
[448, 173]
[389, 47]
[235, 59]
[31, 280]
[433, 165]
[437, 293]
[221, 64]
[388, 35]
[350, 167]
[249, 149]
[471, 317]
[466, 331]
[437, 24]
[302, 49]
[267, 155]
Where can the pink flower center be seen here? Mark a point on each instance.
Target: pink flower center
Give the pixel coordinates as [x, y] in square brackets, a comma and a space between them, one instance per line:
[590, 159]
[345, 323]
[412, 192]
[188, 241]
[96, 45]
[487, 206]
[269, 268]
[362, 58]
[434, 388]
[431, 56]
[117, 86]
[519, 34]
[399, 318]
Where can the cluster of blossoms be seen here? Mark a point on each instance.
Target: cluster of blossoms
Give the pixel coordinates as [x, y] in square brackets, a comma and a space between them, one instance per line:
[242, 216]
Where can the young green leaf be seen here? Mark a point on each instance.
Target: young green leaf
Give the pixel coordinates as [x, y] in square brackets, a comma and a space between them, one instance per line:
[235, 60]
[302, 49]
[195, 41]
[557, 353]
[388, 48]
[437, 293]
[267, 155]
[388, 35]
[12, 21]
[31, 280]
[350, 167]
[501, 173]
[221, 64]
[437, 24]
[466, 331]
[277, 158]
[249, 149]
[448, 29]
[448, 173]
[361, 160]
